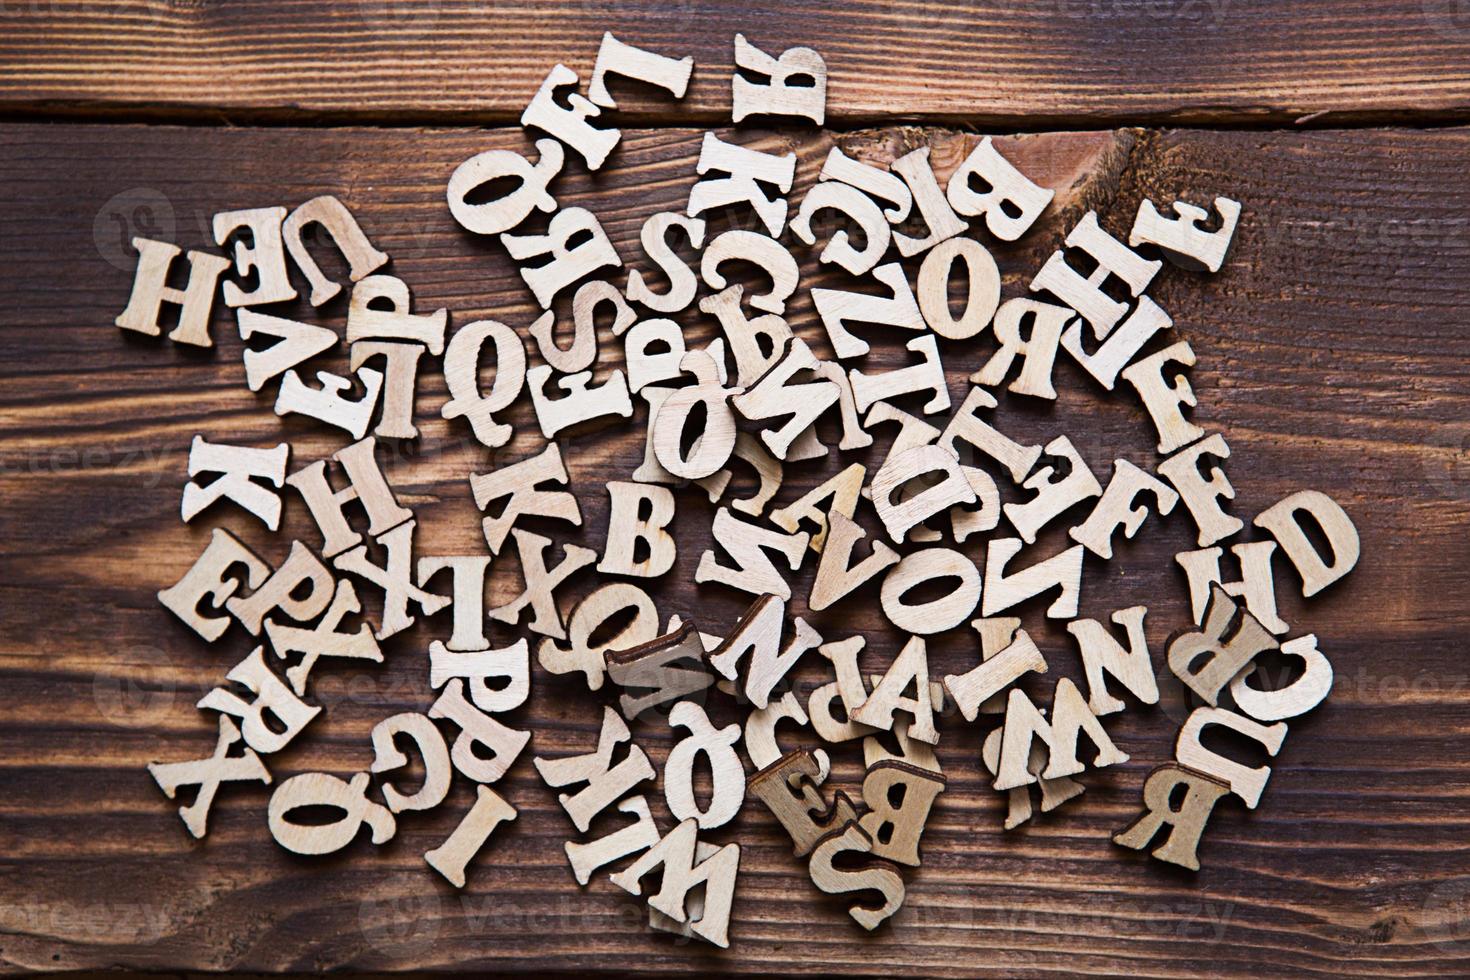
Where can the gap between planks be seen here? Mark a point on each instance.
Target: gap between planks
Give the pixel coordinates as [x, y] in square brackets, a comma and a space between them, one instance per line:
[283, 117]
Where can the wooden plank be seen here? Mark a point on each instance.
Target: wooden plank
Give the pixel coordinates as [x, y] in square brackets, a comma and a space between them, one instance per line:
[995, 63]
[1331, 355]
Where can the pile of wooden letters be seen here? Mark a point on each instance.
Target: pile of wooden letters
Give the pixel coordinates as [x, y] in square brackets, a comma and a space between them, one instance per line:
[753, 397]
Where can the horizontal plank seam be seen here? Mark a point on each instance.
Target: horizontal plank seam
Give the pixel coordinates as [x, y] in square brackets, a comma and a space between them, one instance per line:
[286, 117]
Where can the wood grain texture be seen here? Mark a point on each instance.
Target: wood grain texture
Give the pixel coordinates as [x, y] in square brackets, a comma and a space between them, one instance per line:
[1332, 355]
[993, 63]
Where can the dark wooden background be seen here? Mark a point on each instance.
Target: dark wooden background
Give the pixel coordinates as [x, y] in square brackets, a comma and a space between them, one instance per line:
[1333, 354]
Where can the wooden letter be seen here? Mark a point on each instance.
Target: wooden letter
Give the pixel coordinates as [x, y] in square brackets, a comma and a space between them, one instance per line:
[265, 256]
[478, 668]
[1296, 698]
[780, 96]
[1202, 495]
[843, 491]
[1053, 497]
[467, 578]
[1054, 792]
[938, 216]
[928, 375]
[509, 210]
[1186, 822]
[581, 403]
[606, 782]
[617, 58]
[649, 667]
[1111, 258]
[904, 820]
[569, 123]
[609, 602]
[327, 403]
[755, 248]
[1122, 345]
[1181, 240]
[519, 482]
[323, 640]
[712, 448]
[367, 319]
[682, 282]
[151, 290]
[727, 773]
[1010, 203]
[925, 566]
[327, 211]
[637, 836]
[836, 576]
[387, 757]
[1103, 656]
[759, 734]
[298, 342]
[1256, 585]
[240, 467]
[400, 370]
[837, 307]
[1070, 717]
[394, 577]
[790, 789]
[982, 291]
[1163, 399]
[1244, 782]
[880, 876]
[583, 351]
[675, 854]
[208, 774]
[366, 486]
[1285, 526]
[774, 396]
[451, 857]
[1115, 509]
[499, 746]
[745, 335]
[1002, 592]
[909, 669]
[644, 368]
[542, 583]
[759, 634]
[319, 789]
[848, 687]
[206, 577]
[967, 426]
[879, 184]
[863, 212]
[1222, 658]
[568, 263]
[283, 590]
[627, 528]
[994, 674]
[1038, 351]
[745, 544]
[748, 169]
